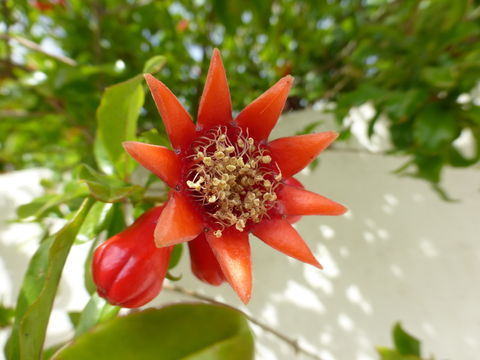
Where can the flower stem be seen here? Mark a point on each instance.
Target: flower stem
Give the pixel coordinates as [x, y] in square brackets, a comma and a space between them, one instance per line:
[292, 342]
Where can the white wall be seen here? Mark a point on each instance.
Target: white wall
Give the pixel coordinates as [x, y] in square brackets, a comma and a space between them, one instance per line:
[401, 253]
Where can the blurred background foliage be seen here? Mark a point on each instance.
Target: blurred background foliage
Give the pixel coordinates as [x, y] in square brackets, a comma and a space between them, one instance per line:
[417, 62]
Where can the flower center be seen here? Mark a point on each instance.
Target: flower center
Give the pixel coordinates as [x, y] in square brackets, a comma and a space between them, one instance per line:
[232, 177]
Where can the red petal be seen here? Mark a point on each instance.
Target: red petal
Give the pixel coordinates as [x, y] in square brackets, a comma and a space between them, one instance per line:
[293, 153]
[232, 251]
[215, 105]
[179, 125]
[203, 262]
[262, 114]
[280, 235]
[295, 201]
[294, 182]
[158, 159]
[179, 222]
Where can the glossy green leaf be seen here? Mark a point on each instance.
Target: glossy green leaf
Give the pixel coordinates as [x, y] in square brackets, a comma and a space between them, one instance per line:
[117, 118]
[117, 221]
[107, 188]
[96, 310]
[405, 343]
[154, 64]
[87, 268]
[38, 290]
[44, 204]
[182, 331]
[95, 222]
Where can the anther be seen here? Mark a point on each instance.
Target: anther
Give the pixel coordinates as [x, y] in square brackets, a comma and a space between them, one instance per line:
[266, 159]
[219, 155]
[208, 161]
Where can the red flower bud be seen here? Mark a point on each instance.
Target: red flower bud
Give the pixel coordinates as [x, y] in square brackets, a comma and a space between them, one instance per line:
[204, 264]
[128, 269]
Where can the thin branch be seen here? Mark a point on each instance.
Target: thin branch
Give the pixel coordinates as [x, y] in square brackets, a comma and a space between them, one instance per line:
[15, 113]
[35, 47]
[292, 342]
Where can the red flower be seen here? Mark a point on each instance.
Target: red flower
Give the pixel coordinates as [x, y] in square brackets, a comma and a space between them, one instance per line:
[228, 180]
[128, 269]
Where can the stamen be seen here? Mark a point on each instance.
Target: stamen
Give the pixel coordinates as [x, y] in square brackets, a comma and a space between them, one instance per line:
[231, 178]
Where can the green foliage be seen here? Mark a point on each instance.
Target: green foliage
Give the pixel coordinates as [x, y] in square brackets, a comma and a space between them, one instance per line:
[176, 256]
[182, 331]
[39, 288]
[405, 343]
[96, 311]
[407, 347]
[107, 188]
[117, 122]
[410, 59]
[46, 204]
[6, 316]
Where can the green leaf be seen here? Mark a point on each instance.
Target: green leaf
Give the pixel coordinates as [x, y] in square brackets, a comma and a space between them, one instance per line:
[309, 128]
[175, 256]
[96, 310]
[38, 290]
[182, 331]
[87, 268]
[440, 77]
[405, 343]
[117, 221]
[473, 114]
[390, 354]
[429, 167]
[434, 127]
[95, 222]
[74, 316]
[401, 105]
[155, 64]
[107, 188]
[6, 316]
[40, 206]
[152, 136]
[117, 118]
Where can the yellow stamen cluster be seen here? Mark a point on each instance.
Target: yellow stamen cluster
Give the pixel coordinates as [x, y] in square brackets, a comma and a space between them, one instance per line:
[232, 179]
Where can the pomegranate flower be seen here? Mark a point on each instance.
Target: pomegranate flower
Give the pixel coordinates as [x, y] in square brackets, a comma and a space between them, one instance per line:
[227, 180]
